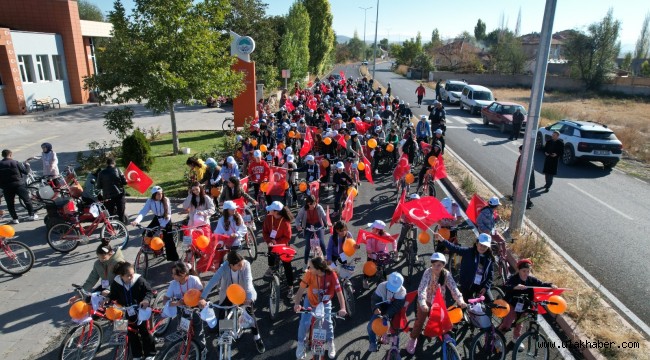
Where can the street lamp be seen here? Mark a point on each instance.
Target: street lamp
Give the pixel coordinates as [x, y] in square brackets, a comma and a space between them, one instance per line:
[365, 10]
[374, 52]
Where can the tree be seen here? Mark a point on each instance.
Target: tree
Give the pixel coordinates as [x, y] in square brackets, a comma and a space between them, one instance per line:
[508, 54]
[410, 49]
[165, 54]
[424, 62]
[645, 69]
[321, 34]
[479, 30]
[643, 42]
[294, 48]
[592, 55]
[356, 47]
[136, 149]
[627, 62]
[383, 43]
[89, 11]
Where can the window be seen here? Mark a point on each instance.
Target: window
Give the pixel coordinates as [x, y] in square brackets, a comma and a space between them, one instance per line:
[59, 71]
[43, 68]
[483, 95]
[26, 68]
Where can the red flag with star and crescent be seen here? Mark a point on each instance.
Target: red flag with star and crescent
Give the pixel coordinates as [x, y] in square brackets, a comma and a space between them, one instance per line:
[311, 103]
[307, 144]
[402, 167]
[398, 209]
[347, 212]
[341, 141]
[368, 170]
[244, 184]
[364, 235]
[474, 207]
[137, 178]
[314, 189]
[441, 170]
[277, 181]
[289, 105]
[424, 212]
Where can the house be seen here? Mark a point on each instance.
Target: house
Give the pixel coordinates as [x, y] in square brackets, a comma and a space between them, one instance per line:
[458, 54]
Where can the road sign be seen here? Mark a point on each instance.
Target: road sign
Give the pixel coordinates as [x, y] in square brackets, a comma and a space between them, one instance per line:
[286, 73]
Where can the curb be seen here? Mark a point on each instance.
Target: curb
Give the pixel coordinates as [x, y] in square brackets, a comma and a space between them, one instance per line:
[62, 112]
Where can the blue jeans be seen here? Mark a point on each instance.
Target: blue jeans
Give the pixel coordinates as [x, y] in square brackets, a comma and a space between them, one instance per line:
[308, 234]
[305, 321]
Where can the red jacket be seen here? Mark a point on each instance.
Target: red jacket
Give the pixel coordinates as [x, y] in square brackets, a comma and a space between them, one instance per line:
[420, 90]
[258, 171]
[282, 227]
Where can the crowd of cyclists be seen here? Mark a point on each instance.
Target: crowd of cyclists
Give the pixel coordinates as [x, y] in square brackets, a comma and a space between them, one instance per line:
[321, 134]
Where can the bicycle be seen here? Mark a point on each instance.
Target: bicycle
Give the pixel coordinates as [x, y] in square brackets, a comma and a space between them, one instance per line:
[250, 242]
[314, 242]
[16, 258]
[228, 124]
[121, 328]
[141, 263]
[317, 335]
[65, 237]
[402, 189]
[410, 249]
[282, 253]
[229, 329]
[488, 343]
[192, 253]
[345, 272]
[428, 187]
[502, 267]
[182, 344]
[383, 260]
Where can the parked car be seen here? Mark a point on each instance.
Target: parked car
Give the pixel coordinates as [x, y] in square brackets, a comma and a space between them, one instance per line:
[584, 140]
[500, 113]
[452, 90]
[364, 62]
[475, 97]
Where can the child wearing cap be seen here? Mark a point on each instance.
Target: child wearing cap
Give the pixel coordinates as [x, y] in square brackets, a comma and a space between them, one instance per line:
[342, 181]
[159, 205]
[276, 230]
[231, 224]
[387, 301]
[102, 270]
[258, 172]
[375, 246]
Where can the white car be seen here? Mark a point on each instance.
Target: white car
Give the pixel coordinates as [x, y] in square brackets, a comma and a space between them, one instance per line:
[583, 140]
[452, 90]
[475, 97]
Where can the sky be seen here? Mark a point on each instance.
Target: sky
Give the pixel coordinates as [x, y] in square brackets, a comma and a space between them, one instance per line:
[402, 19]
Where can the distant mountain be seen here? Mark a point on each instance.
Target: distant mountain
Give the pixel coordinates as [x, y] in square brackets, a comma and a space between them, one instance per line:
[342, 39]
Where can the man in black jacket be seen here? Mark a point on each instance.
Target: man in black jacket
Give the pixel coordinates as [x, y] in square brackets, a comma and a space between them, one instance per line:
[12, 183]
[111, 182]
[517, 120]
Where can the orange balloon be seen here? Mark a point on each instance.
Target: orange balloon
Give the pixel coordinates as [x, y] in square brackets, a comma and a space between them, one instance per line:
[390, 147]
[433, 161]
[455, 314]
[215, 191]
[445, 233]
[500, 312]
[282, 146]
[7, 231]
[348, 137]
[409, 178]
[236, 294]
[264, 186]
[79, 310]
[352, 190]
[156, 243]
[424, 237]
[556, 304]
[327, 141]
[192, 297]
[325, 163]
[361, 166]
[254, 142]
[349, 247]
[201, 242]
[292, 133]
[370, 268]
[302, 186]
[147, 240]
[113, 313]
[378, 327]
[286, 185]
[372, 143]
[263, 148]
[239, 155]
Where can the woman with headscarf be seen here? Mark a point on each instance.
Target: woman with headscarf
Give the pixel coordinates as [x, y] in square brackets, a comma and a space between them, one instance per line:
[50, 161]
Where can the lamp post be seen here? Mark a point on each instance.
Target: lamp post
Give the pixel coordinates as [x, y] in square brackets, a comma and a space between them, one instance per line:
[374, 52]
[365, 11]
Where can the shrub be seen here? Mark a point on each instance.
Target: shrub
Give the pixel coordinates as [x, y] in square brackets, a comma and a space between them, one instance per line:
[119, 121]
[135, 147]
[98, 154]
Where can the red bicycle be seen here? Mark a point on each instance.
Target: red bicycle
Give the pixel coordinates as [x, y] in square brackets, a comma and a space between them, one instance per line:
[182, 345]
[65, 237]
[16, 258]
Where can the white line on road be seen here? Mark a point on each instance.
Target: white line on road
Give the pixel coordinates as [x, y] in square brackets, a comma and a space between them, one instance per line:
[601, 202]
[23, 147]
[457, 127]
[459, 119]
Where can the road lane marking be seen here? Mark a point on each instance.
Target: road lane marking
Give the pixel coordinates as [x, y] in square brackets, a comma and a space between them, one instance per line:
[601, 202]
[459, 119]
[457, 127]
[23, 147]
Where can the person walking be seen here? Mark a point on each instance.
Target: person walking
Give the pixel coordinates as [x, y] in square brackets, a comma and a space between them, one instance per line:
[111, 182]
[420, 92]
[531, 184]
[438, 87]
[517, 120]
[12, 183]
[50, 161]
[552, 150]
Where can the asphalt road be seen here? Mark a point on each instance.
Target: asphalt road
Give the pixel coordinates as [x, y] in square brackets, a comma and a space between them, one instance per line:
[600, 218]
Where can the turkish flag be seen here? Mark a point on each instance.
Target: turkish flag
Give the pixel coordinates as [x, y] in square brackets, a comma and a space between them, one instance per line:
[425, 147]
[310, 84]
[311, 103]
[307, 144]
[474, 207]
[289, 105]
[402, 168]
[323, 88]
[438, 323]
[398, 209]
[137, 178]
[441, 170]
[364, 235]
[360, 126]
[542, 294]
[241, 205]
[341, 141]
[401, 321]
[327, 118]
[277, 181]
[347, 212]
[314, 189]
[368, 170]
[244, 184]
[342, 73]
[424, 212]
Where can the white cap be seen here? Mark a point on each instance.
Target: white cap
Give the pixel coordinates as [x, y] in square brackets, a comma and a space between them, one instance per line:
[288, 150]
[257, 126]
[156, 189]
[229, 205]
[446, 202]
[494, 201]
[377, 224]
[257, 154]
[436, 102]
[210, 162]
[309, 158]
[340, 165]
[276, 205]
[414, 196]
[353, 133]
[377, 116]
[485, 239]
[378, 128]
[231, 160]
[423, 117]
[439, 131]
[394, 282]
[439, 257]
[344, 126]
[239, 138]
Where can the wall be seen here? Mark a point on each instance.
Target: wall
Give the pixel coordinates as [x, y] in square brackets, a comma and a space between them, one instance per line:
[32, 44]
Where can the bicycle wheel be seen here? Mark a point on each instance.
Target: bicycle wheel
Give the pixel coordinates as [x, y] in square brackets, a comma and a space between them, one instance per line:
[393, 354]
[348, 293]
[141, 263]
[182, 349]
[122, 352]
[37, 203]
[63, 237]
[535, 348]
[82, 342]
[251, 244]
[452, 352]
[16, 258]
[488, 344]
[117, 233]
[158, 322]
[432, 189]
[228, 124]
[224, 351]
[274, 298]
[410, 256]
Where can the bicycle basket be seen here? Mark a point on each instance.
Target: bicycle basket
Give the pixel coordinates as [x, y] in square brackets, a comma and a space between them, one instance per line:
[478, 317]
[117, 338]
[346, 271]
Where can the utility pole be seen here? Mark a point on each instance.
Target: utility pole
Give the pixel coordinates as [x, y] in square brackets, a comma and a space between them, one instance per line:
[532, 122]
[374, 51]
[365, 12]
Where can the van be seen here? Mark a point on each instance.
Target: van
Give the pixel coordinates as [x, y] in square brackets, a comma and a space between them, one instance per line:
[475, 97]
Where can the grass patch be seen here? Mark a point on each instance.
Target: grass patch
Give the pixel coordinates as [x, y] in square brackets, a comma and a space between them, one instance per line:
[169, 171]
[468, 185]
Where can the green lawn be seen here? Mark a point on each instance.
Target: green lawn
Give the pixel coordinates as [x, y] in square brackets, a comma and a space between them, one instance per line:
[169, 170]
